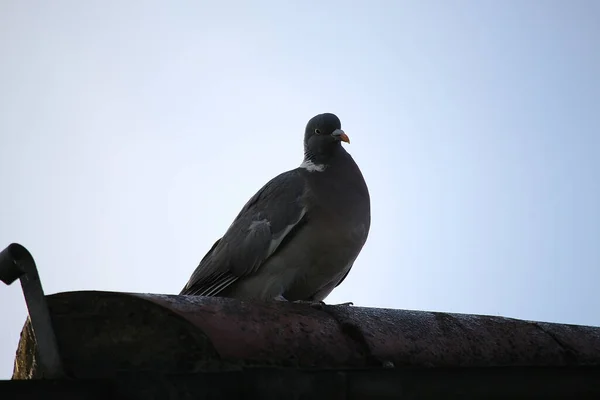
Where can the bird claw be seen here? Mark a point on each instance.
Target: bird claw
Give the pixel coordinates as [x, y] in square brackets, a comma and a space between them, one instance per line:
[348, 304]
[313, 304]
[321, 304]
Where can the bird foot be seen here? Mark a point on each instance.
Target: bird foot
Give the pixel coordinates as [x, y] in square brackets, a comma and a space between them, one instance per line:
[320, 304]
[349, 303]
[311, 303]
[314, 304]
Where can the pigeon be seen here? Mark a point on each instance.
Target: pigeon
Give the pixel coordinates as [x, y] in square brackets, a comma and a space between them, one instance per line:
[297, 238]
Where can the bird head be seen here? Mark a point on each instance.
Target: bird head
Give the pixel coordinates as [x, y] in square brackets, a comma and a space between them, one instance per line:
[323, 136]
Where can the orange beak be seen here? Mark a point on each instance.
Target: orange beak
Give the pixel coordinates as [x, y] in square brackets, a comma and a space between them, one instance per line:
[342, 135]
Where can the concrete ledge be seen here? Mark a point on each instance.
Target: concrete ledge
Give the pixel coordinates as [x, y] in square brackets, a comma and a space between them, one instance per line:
[102, 334]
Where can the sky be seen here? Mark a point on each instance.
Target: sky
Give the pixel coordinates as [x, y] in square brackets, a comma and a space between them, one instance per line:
[132, 133]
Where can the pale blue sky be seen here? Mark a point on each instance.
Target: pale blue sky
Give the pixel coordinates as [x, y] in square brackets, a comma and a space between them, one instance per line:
[132, 132]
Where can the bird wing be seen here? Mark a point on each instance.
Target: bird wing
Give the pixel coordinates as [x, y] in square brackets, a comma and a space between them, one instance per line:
[270, 218]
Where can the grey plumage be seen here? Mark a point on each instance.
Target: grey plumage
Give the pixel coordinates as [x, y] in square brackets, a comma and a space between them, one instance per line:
[298, 236]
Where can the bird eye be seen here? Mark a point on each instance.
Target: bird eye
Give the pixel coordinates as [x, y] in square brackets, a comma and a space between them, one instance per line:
[318, 131]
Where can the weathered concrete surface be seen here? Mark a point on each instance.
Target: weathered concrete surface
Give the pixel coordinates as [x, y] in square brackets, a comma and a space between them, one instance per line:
[102, 333]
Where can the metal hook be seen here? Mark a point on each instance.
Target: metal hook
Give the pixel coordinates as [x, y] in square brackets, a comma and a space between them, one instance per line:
[17, 263]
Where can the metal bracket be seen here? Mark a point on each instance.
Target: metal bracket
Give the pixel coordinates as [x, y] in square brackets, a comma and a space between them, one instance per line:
[17, 263]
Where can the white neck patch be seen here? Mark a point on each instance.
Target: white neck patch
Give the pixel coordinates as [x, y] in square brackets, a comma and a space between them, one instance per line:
[312, 167]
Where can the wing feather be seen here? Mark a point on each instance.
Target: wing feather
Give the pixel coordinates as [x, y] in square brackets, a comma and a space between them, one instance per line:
[269, 218]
